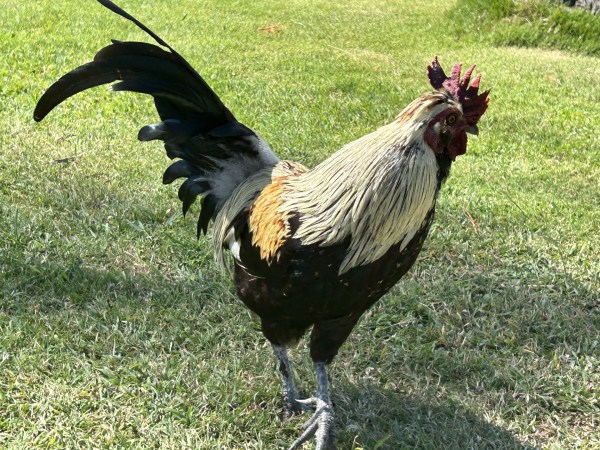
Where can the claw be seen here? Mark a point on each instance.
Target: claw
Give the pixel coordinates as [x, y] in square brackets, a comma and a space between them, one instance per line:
[294, 407]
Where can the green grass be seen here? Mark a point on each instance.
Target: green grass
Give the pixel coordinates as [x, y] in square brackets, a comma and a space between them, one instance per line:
[117, 330]
[528, 23]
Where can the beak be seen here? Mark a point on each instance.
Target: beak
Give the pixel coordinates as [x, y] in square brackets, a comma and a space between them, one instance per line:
[472, 129]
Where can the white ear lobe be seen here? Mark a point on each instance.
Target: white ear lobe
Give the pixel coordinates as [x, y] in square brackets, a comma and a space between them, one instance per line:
[437, 128]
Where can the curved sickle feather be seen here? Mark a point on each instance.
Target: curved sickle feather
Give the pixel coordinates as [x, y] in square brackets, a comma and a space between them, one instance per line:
[101, 71]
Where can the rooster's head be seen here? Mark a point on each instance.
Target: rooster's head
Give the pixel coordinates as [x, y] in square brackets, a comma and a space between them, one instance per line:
[450, 112]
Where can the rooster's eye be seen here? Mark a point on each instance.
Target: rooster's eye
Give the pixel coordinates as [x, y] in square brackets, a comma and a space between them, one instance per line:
[451, 119]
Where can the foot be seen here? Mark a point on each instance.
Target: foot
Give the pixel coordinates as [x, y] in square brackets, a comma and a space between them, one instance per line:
[320, 425]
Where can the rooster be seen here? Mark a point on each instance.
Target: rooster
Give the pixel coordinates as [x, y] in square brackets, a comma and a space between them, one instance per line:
[311, 248]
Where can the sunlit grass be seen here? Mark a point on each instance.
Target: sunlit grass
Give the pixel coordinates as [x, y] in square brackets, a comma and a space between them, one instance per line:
[528, 23]
[117, 330]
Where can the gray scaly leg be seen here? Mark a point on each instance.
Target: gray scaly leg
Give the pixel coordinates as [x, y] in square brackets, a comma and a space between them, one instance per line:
[290, 392]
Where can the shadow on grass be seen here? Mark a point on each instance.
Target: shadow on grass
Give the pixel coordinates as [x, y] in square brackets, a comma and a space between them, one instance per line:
[384, 419]
[52, 285]
[369, 415]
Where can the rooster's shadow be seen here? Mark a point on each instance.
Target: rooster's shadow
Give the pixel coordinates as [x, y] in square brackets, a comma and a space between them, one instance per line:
[372, 416]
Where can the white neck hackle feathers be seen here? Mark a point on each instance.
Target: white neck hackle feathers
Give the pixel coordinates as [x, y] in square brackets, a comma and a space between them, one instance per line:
[376, 190]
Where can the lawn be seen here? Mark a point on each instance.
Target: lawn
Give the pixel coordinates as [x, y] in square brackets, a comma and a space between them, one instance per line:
[118, 331]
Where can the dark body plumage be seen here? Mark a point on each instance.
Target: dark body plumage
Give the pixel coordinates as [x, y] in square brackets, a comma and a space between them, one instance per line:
[304, 288]
[311, 248]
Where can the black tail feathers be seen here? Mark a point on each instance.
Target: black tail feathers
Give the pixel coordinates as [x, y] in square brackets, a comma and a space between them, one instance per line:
[139, 67]
[217, 152]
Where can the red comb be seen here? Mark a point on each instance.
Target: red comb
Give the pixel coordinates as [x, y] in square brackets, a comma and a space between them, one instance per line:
[473, 104]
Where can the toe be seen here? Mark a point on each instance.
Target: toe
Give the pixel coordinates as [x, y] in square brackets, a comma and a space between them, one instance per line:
[320, 425]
